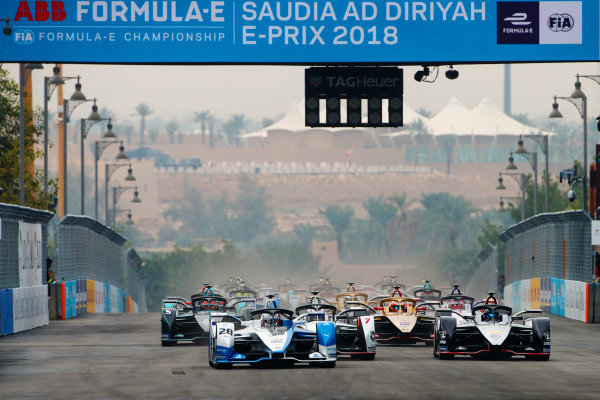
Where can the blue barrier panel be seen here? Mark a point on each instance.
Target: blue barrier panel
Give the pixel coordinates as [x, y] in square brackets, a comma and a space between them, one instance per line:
[6, 310]
[120, 300]
[106, 298]
[561, 283]
[70, 299]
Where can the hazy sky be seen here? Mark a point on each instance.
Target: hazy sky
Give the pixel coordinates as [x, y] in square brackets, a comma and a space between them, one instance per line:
[266, 91]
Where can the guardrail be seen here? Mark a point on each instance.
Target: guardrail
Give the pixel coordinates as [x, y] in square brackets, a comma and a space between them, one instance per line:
[484, 276]
[549, 264]
[94, 273]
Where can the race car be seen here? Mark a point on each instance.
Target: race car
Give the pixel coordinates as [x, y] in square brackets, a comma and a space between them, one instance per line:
[492, 331]
[354, 327]
[350, 296]
[457, 303]
[400, 322]
[427, 292]
[182, 321]
[273, 335]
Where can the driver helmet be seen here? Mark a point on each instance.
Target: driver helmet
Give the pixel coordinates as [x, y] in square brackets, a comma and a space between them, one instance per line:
[394, 307]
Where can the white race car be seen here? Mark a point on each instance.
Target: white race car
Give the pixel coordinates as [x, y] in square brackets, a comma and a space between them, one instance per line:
[273, 335]
[491, 330]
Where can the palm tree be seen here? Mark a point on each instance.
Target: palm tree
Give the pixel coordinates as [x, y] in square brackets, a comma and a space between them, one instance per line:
[235, 126]
[381, 212]
[267, 122]
[339, 218]
[202, 117]
[143, 111]
[447, 217]
[171, 128]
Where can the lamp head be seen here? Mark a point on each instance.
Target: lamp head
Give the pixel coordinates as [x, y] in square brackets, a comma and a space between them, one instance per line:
[94, 115]
[500, 184]
[511, 162]
[520, 147]
[121, 155]
[136, 197]
[109, 134]
[129, 219]
[577, 93]
[77, 94]
[56, 79]
[130, 176]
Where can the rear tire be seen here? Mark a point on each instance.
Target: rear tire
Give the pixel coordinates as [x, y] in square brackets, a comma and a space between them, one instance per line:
[369, 356]
[224, 365]
[166, 343]
[429, 343]
[537, 357]
[327, 364]
[446, 356]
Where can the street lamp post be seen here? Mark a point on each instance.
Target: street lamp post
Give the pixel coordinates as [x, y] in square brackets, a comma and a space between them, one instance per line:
[50, 84]
[23, 78]
[117, 192]
[86, 124]
[579, 100]
[532, 158]
[99, 147]
[542, 141]
[69, 105]
[501, 203]
[109, 170]
[518, 177]
[129, 216]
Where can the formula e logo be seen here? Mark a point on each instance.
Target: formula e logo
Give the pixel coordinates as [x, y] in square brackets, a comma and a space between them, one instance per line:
[560, 22]
[518, 19]
[24, 36]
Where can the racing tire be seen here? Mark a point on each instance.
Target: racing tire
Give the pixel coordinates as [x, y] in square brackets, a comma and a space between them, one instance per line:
[443, 356]
[327, 364]
[429, 343]
[436, 347]
[537, 357]
[366, 357]
[223, 365]
[165, 343]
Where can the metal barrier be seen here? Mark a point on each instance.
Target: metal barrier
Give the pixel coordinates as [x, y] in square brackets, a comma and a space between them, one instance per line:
[135, 279]
[23, 244]
[88, 249]
[554, 245]
[484, 269]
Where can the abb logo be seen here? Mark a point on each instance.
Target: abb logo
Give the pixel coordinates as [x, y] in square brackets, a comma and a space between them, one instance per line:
[42, 13]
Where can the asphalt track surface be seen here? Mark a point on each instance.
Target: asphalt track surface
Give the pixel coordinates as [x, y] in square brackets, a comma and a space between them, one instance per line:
[98, 356]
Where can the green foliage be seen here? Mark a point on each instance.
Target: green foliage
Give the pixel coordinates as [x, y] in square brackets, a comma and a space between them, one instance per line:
[171, 128]
[306, 233]
[35, 196]
[240, 219]
[339, 218]
[557, 198]
[447, 218]
[287, 257]
[454, 263]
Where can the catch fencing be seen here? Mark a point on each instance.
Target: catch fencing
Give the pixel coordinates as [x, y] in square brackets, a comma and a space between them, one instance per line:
[93, 272]
[484, 269]
[88, 249]
[554, 245]
[135, 280]
[549, 264]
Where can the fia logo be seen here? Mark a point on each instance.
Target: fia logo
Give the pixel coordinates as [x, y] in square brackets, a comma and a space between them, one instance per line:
[23, 36]
[560, 22]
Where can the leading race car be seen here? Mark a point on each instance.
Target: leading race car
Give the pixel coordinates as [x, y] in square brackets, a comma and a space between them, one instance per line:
[493, 331]
[273, 335]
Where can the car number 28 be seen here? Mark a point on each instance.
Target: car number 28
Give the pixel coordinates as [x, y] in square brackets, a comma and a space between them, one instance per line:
[223, 331]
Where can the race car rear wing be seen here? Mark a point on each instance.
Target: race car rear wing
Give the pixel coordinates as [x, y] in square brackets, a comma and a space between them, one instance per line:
[519, 315]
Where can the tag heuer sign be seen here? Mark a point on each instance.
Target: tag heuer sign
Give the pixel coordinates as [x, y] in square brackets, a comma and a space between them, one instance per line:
[353, 97]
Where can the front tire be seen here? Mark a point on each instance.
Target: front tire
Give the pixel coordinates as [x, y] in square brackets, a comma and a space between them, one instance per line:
[327, 364]
[165, 343]
[537, 357]
[446, 356]
[369, 356]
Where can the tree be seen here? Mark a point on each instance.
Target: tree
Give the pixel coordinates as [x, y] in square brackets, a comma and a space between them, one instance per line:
[202, 118]
[305, 233]
[418, 127]
[235, 126]
[143, 111]
[339, 218]
[381, 213]
[171, 128]
[447, 217]
[557, 198]
[153, 133]
[35, 196]
[267, 122]
[287, 257]
[425, 112]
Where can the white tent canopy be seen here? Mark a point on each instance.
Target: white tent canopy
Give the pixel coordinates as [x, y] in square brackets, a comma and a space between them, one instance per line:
[485, 119]
[293, 121]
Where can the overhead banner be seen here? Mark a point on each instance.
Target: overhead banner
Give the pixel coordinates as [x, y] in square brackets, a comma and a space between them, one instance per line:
[300, 32]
